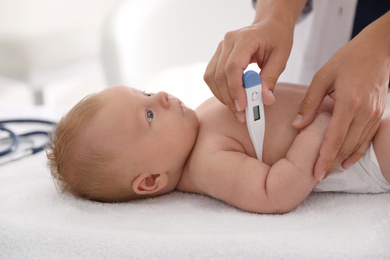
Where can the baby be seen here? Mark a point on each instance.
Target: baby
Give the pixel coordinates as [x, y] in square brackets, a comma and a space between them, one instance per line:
[122, 144]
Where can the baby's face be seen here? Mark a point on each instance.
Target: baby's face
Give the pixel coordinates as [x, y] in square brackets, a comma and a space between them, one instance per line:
[148, 132]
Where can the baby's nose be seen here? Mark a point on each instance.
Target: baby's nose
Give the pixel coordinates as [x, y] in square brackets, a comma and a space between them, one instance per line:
[164, 99]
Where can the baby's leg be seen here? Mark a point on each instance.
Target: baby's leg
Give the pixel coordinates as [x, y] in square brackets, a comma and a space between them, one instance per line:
[381, 144]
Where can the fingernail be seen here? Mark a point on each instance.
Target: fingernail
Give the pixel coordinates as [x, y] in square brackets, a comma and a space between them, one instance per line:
[238, 106]
[322, 175]
[297, 120]
[347, 165]
[271, 93]
[240, 117]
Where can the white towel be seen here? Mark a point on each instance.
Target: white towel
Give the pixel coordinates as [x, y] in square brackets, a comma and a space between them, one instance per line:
[38, 223]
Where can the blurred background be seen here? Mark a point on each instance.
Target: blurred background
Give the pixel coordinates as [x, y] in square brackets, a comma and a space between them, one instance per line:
[50, 50]
[54, 52]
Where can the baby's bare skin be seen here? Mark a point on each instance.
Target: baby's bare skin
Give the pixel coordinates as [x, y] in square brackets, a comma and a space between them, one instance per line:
[279, 132]
[223, 141]
[158, 145]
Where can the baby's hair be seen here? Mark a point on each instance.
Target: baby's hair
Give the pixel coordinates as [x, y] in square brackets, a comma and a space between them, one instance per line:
[63, 146]
[80, 173]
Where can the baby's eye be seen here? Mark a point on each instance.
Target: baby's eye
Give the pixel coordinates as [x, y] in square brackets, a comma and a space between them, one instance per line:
[147, 94]
[149, 114]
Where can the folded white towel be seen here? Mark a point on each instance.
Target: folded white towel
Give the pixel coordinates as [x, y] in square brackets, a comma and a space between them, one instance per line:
[37, 222]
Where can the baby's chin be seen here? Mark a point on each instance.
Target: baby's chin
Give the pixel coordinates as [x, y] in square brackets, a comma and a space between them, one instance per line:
[193, 116]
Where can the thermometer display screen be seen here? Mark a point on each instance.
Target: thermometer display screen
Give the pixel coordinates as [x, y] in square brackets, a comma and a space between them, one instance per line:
[256, 113]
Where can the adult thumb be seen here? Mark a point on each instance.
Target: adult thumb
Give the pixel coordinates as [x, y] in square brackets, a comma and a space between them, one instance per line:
[312, 100]
[269, 75]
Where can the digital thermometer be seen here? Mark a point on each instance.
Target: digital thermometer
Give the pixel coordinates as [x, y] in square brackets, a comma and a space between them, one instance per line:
[254, 110]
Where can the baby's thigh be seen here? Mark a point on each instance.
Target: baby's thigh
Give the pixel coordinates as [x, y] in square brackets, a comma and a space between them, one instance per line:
[381, 144]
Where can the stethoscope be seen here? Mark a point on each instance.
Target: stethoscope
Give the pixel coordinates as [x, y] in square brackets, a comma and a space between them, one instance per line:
[10, 153]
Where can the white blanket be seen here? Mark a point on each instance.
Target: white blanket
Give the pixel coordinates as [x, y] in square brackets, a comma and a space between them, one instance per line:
[36, 222]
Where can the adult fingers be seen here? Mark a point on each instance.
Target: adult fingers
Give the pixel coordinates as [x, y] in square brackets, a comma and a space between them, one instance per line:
[215, 77]
[334, 139]
[362, 148]
[220, 74]
[218, 84]
[367, 115]
[209, 75]
[273, 66]
[315, 94]
[355, 142]
[365, 140]
[238, 61]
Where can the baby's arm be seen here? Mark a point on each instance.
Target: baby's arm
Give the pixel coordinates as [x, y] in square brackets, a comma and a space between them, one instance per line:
[251, 185]
[291, 179]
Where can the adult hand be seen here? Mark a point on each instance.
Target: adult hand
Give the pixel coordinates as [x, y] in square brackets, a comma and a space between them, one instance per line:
[357, 78]
[267, 42]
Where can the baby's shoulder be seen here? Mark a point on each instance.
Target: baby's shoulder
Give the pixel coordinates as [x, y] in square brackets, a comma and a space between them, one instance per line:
[201, 169]
[220, 137]
[219, 131]
[208, 153]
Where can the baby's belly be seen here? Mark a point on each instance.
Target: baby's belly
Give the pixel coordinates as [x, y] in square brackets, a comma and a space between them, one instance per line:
[279, 132]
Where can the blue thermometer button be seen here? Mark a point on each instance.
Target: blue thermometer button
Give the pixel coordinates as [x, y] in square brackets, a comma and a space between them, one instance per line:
[251, 78]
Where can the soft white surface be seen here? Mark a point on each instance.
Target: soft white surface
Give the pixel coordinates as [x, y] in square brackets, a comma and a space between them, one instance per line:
[36, 222]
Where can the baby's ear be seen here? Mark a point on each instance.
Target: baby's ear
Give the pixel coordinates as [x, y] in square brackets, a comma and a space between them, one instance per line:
[147, 183]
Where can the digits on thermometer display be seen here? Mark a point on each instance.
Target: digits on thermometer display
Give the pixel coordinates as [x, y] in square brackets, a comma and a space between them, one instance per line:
[254, 111]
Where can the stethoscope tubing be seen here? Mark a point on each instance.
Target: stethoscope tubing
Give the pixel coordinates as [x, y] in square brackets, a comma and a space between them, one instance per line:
[37, 121]
[15, 138]
[13, 146]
